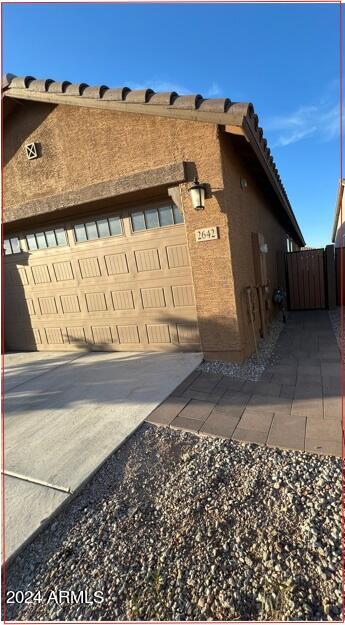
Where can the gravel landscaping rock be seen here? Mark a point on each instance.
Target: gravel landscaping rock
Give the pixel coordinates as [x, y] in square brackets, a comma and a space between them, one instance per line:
[176, 527]
[251, 369]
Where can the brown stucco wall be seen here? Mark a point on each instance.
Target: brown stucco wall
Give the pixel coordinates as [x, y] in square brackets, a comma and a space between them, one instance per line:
[249, 210]
[82, 146]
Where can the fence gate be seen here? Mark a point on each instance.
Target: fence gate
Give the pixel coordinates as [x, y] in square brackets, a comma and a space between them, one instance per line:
[306, 279]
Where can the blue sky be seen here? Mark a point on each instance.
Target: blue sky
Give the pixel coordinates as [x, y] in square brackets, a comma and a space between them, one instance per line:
[283, 58]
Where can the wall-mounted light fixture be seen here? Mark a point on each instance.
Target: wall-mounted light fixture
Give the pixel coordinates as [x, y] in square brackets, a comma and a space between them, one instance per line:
[243, 183]
[197, 193]
[264, 248]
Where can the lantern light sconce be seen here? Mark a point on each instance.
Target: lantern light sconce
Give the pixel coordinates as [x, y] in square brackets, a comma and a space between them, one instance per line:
[197, 193]
[264, 248]
[243, 183]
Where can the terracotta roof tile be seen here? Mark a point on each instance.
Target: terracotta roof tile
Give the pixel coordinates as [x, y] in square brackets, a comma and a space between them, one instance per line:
[6, 80]
[215, 105]
[164, 98]
[58, 86]
[21, 82]
[94, 92]
[116, 94]
[139, 96]
[76, 88]
[190, 102]
[40, 85]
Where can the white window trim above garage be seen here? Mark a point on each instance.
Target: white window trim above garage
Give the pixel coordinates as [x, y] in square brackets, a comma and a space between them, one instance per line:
[56, 232]
[69, 229]
[96, 222]
[176, 215]
[12, 246]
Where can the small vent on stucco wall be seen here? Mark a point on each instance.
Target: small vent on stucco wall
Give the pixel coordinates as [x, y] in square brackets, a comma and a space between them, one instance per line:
[31, 151]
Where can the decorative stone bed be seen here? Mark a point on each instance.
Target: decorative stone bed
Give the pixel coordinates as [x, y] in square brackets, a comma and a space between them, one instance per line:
[252, 369]
[176, 527]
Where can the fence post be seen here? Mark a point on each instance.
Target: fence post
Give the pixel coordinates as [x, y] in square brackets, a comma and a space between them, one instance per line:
[330, 277]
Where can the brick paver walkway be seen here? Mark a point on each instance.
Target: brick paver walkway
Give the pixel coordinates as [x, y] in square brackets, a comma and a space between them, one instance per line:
[295, 405]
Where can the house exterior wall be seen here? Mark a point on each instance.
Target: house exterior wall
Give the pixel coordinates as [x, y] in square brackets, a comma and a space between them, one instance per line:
[82, 146]
[250, 210]
[340, 235]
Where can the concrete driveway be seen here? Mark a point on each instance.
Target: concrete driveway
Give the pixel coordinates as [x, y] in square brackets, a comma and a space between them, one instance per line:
[64, 415]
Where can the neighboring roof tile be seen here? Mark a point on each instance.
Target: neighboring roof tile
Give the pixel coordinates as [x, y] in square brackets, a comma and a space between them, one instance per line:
[164, 98]
[76, 88]
[215, 105]
[94, 92]
[6, 80]
[40, 85]
[189, 102]
[116, 94]
[58, 86]
[236, 113]
[139, 96]
[21, 82]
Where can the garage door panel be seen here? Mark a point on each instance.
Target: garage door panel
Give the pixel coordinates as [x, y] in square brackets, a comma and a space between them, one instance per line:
[37, 336]
[96, 302]
[132, 292]
[41, 274]
[47, 306]
[63, 271]
[101, 334]
[70, 303]
[128, 334]
[89, 267]
[15, 277]
[147, 260]
[153, 298]
[17, 305]
[187, 333]
[158, 333]
[76, 334]
[177, 256]
[123, 299]
[183, 295]
[54, 336]
[116, 264]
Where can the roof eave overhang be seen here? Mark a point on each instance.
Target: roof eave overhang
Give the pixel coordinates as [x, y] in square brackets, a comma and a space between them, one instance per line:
[252, 138]
[110, 105]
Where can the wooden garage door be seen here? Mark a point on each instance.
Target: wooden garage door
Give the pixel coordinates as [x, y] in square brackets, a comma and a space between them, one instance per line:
[131, 291]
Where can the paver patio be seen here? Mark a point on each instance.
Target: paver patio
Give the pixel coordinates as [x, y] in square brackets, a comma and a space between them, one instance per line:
[295, 405]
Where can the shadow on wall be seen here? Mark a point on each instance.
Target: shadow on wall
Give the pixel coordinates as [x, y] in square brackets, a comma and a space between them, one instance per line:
[22, 126]
[16, 322]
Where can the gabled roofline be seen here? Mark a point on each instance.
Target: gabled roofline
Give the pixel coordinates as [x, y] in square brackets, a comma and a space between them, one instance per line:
[221, 111]
[337, 208]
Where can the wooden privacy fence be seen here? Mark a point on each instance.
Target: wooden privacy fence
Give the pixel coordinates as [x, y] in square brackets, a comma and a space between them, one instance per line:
[313, 278]
[306, 279]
